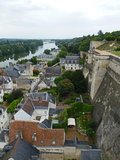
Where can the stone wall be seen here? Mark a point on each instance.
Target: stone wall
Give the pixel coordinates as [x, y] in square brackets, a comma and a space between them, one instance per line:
[107, 115]
[105, 95]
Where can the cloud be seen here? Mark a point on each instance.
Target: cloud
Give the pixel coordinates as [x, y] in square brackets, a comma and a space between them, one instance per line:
[57, 19]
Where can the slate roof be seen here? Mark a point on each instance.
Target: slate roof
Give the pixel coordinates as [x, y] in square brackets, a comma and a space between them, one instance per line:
[45, 124]
[12, 72]
[72, 58]
[53, 71]
[28, 107]
[53, 111]
[21, 150]
[21, 67]
[43, 96]
[4, 80]
[35, 135]
[38, 95]
[90, 154]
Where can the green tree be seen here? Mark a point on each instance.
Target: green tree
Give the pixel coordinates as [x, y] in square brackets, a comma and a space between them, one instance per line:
[13, 105]
[58, 79]
[47, 51]
[15, 94]
[77, 78]
[36, 72]
[65, 87]
[33, 60]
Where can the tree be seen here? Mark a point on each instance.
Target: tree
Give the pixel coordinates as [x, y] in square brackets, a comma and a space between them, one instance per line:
[100, 32]
[58, 79]
[15, 94]
[33, 60]
[78, 80]
[65, 87]
[13, 105]
[47, 51]
[36, 72]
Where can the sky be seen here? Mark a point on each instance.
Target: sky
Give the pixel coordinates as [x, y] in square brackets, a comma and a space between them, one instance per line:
[48, 19]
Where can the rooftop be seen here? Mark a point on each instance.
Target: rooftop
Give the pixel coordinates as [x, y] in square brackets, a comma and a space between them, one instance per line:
[20, 150]
[37, 136]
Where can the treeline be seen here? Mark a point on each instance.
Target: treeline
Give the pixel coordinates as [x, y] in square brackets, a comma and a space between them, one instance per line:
[82, 43]
[17, 48]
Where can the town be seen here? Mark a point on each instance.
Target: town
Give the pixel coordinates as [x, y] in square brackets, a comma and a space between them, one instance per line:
[49, 105]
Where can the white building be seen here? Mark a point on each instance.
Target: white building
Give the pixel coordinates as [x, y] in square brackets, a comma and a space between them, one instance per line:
[70, 63]
[6, 83]
[1, 94]
[4, 119]
[35, 108]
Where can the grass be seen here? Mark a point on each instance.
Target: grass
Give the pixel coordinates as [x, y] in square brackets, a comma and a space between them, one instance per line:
[111, 47]
[117, 53]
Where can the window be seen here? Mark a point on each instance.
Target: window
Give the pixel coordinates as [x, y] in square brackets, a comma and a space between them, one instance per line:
[38, 118]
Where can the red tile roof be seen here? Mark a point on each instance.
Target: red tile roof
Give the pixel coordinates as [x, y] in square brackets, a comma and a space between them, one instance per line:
[35, 135]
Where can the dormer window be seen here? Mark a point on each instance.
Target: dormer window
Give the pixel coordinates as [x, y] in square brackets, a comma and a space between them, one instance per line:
[53, 142]
[41, 141]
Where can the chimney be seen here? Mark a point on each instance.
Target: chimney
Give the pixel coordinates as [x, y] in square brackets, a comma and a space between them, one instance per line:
[34, 137]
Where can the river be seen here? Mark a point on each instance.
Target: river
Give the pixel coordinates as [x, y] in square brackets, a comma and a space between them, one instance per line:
[46, 45]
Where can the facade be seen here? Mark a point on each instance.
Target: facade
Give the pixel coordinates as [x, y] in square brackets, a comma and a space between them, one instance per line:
[35, 108]
[6, 84]
[1, 94]
[4, 119]
[45, 57]
[70, 62]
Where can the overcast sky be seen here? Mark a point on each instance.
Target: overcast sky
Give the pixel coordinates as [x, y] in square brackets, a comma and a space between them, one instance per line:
[57, 18]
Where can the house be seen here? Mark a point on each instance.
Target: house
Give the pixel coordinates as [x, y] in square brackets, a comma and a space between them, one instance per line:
[6, 84]
[4, 138]
[36, 107]
[19, 149]
[26, 69]
[46, 83]
[70, 62]
[34, 134]
[1, 94]
[52, 72]
[4, 119]
[24, 82]
[33, 110]
[43, 96]
[46, 57]
[40, 67]
[12, 72]
[43, 84]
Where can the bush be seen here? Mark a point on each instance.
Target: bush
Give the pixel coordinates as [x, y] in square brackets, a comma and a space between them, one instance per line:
[65, 87]
[15, 94]
[13, 105]
[78, 108]
[36, 72]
